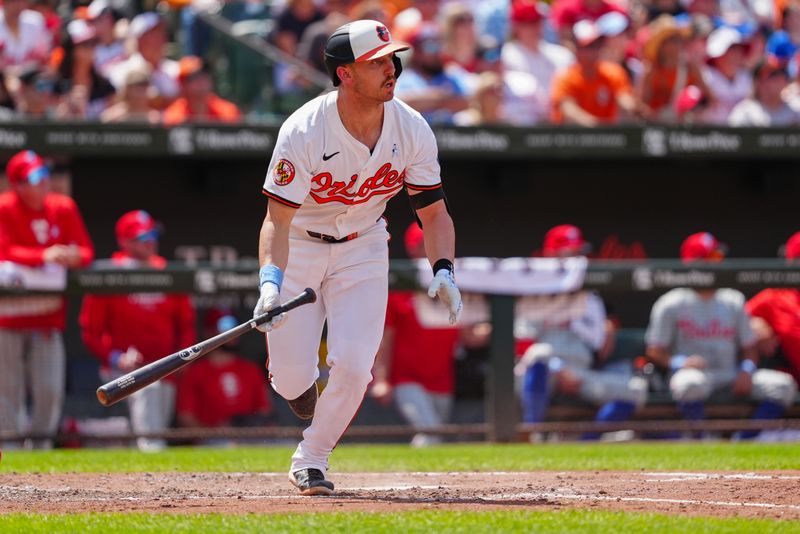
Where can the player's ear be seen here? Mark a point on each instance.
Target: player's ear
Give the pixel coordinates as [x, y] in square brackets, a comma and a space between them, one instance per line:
[344, 73]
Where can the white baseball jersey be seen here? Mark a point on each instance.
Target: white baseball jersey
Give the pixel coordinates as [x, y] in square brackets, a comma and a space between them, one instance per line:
[30, 45]
[340, 187]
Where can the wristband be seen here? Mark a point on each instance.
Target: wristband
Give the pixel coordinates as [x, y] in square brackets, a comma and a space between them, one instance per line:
[677, 361]
[270, 273]
[748, 366]
[443, 263]
[113, 358]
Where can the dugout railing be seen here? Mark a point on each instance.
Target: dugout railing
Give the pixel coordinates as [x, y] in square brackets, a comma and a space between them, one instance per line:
[621, 283]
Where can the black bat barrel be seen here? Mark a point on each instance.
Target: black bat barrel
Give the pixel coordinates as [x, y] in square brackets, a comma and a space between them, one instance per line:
[130, 383]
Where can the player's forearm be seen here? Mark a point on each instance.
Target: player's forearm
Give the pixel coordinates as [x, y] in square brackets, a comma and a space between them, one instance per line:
[439, 232]
[273, 244]
[658, 355]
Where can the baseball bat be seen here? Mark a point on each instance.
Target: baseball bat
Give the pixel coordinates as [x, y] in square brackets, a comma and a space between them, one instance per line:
[130, 383]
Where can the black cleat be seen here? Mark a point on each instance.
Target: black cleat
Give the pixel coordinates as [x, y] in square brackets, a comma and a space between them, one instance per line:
[311, 482]
[303, 406]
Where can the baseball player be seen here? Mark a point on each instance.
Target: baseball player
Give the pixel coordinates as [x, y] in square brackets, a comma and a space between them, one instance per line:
[337, 161]
[705, 339]
[563, 356]
[128, 331]
[37, 227]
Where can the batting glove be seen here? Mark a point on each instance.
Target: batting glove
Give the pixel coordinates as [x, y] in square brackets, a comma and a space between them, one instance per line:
[444, 285]
[270, 297]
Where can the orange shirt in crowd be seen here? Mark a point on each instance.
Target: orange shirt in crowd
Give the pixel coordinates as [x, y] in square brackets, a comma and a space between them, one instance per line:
[596, 95]
[24, 236]
[662, 85]
[219, 110]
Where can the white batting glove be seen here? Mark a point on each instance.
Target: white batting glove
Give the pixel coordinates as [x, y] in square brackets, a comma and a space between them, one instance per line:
[269, 298]
[444, 285]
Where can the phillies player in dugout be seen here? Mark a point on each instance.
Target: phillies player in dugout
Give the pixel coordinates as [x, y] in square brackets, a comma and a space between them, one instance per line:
[337, 162]
[37, 227]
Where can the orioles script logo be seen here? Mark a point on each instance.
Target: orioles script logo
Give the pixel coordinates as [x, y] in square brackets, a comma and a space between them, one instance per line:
[386, 181]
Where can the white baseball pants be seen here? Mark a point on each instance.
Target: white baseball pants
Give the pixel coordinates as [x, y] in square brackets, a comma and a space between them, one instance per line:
[351, 281]
[35, 359]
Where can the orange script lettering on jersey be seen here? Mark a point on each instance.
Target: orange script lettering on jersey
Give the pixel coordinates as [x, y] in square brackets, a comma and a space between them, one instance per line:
[386, 181]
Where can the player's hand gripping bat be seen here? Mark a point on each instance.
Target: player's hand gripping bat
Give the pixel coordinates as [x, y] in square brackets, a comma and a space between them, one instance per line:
[130, 383]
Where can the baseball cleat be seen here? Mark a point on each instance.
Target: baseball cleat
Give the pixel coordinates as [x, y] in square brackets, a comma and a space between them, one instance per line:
[311, 482]
[304, 405]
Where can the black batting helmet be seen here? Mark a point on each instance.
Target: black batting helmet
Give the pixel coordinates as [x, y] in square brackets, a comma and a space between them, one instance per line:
[360, 40]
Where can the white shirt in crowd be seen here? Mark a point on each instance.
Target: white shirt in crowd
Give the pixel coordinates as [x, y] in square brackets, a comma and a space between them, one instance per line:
[751, 112]
[106, 57]
[164, 78]
[30, 46]
[727, 93]
[542, 63]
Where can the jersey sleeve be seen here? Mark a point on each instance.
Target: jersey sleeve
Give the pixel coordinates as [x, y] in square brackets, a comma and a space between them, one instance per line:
[76, 233]
[288, 178]
[747, 338]
[591, 326]
[661, 330]
[424, 173]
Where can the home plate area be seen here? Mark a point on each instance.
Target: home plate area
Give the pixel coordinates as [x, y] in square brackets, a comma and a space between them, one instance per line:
[763, 494]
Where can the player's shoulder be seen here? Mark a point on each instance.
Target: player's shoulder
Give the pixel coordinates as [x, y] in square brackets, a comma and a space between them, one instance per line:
[731, 297]
[676, 297]
[60, 201]
[406, 114]
[310, 114]
[32, 18]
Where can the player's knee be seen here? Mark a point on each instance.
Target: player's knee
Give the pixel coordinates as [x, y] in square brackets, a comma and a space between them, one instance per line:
[291, 381]
[778, 387]
[690, 385]
[350, 375]
[538, 353]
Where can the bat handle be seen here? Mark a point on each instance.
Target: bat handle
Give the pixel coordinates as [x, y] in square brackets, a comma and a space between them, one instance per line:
[306, 297]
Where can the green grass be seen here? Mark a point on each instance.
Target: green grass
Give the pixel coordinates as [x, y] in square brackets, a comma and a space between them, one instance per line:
[574, 521]
[388, 458]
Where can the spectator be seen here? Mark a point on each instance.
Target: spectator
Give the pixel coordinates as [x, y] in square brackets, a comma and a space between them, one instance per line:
[311, 47]
[52, 22]
[150, 36]
[130, 330]
[766, 107]
[24, 36]
[529, 53]
[667, 70]
[699, 334]
[591, 92]
[135, 104]
[411, 20]
[564, 14]
[198, 103]
[109, 50]
[222, 389]
[486, 104]
[292, 22]
[425, 85]
[86, 92]
[613, 26]
[726, 77]
[780, 309]
[567, 357]
[691, 106]
[415, 361]
[780, 47]
[459, 38]
[36, 98]
[38, 229]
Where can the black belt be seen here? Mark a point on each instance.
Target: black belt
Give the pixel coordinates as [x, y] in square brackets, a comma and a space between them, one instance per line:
[330, 238]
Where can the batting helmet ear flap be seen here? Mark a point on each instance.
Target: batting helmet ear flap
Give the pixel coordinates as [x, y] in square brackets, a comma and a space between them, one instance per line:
[398, 65]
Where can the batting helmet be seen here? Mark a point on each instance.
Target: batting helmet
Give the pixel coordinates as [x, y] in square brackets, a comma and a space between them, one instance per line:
[360, 40]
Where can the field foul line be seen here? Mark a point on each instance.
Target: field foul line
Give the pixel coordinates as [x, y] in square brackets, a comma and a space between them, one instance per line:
[685, 477]
[556, 496]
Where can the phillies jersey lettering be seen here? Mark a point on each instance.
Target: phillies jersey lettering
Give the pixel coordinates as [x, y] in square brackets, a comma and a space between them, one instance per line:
[345, 194]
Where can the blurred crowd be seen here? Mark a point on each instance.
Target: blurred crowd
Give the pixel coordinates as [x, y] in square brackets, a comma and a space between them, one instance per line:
[583, 62]
[511, 62]
[100, 61]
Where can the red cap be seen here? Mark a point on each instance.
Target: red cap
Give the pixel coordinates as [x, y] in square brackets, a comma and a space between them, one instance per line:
[26, 166]
[564, 240]
[526, 11]
[702, 246]
[137, 224]
[188, 66]
[413, 238]
[792, 248]
[688, 99]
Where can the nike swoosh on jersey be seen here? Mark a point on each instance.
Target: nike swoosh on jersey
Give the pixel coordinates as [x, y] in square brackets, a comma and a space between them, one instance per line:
[326, 157]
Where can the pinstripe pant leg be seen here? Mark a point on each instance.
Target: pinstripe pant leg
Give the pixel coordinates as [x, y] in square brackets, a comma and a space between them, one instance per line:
[47, 371]
[12, 380]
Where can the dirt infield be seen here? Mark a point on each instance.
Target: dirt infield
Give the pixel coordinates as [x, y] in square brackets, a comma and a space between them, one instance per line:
[766, 494]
